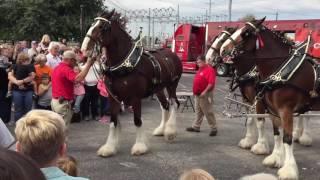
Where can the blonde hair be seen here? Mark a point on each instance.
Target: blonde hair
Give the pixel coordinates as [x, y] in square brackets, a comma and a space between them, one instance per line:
[45, 39]
[23, 57]
[68, 165]
[52, 45]
[196, 174]
[41, 134]
[40, 57]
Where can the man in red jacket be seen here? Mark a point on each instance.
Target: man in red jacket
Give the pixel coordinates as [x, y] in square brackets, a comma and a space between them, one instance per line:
[203, 85]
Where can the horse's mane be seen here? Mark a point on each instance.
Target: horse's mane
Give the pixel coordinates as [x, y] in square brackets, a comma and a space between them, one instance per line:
[281, 36]
[116, 17]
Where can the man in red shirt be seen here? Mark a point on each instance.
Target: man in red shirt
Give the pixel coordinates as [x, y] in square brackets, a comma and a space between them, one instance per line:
[203, 85]
[63, 78]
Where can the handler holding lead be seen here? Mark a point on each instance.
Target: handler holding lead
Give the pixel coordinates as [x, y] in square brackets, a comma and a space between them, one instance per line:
[203, 85]
[63, 79]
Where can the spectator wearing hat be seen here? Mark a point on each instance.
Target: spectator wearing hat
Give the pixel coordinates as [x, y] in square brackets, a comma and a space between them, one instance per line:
[203, 85]
[63, 79]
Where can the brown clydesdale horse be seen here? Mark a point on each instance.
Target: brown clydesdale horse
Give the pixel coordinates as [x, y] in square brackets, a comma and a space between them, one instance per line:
[284, 92]
[133, 74]
[247, 85]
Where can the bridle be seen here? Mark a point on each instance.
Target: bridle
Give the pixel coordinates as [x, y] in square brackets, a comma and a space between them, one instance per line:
[228, 35]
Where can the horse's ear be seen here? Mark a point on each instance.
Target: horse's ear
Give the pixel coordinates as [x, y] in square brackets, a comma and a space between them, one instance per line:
[261, 21]
[111, 14]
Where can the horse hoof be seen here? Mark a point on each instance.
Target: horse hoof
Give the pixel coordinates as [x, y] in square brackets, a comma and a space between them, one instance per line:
[305, 140]
[139, 149]
[288, 172]
[296, 135]
[260, 148]
[170, 134]
[246, 143]
[106, 151]
[273, 161]
[158, 131]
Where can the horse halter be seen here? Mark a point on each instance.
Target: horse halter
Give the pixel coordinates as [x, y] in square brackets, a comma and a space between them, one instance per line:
[102, 19]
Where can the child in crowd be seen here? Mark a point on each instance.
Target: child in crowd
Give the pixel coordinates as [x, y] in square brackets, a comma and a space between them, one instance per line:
[196, 174]
[104, 100]
[68, 165]
[45, 93]
[79, 93]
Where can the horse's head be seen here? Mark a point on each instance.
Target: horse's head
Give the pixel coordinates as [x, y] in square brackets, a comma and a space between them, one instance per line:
[97, 33]
[212, 56]
[244, 39]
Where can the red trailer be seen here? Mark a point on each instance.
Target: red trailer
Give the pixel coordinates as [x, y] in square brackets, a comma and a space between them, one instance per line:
[190, 41]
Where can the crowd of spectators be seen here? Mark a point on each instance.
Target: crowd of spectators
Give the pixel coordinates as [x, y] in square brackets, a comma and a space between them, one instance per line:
[25, 80]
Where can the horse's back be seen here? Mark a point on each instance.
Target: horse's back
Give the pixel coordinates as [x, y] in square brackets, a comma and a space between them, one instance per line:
[168, 60]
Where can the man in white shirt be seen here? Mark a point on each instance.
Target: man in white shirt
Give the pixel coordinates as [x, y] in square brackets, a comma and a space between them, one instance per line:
[53, 59]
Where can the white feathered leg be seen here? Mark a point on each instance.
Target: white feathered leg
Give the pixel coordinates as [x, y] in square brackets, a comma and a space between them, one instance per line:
[262, 146]
[297, 131]
[170, 131]
[306, 139]
[251, 133]
[159, 131]
[140, 146]
[277, 156]
[289, 171]
[110, 148]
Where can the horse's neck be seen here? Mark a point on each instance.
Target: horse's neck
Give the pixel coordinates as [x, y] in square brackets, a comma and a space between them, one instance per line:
[271, 55]
[119, 48]
[244, 63]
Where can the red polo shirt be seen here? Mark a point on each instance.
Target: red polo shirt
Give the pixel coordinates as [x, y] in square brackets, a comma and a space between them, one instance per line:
[63, 78]
[205, 76]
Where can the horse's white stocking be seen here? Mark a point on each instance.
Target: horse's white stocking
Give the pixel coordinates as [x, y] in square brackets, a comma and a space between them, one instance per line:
[277, 156]
[159, 131]
[305, 139]
[262, 146]
[289, 169]
[250, 137]
[170, 131]
[297, 131]
[110, 148]
[140, 146]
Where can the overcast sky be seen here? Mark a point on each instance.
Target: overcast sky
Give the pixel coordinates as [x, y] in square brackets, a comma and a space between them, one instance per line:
[286, 9]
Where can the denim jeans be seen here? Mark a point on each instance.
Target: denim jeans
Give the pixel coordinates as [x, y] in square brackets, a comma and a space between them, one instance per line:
[22, 103]
[77, 103]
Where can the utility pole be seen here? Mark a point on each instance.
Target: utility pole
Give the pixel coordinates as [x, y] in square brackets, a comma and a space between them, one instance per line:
[209, 10]
[277, 16]
[229, 8]
[149, 41]
[81, 20]
[178, 15]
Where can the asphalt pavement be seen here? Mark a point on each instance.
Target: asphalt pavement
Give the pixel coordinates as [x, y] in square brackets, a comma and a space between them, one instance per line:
[219, 155]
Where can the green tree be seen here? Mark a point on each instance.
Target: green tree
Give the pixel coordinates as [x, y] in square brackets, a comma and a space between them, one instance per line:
[247, 17]
[30, 19]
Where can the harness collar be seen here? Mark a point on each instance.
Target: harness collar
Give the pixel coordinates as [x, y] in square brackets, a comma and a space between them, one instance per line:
[102, 19]
[252, 25]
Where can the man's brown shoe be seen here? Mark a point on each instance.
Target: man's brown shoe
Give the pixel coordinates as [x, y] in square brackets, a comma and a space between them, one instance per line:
[213, 132]
[191, 129]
